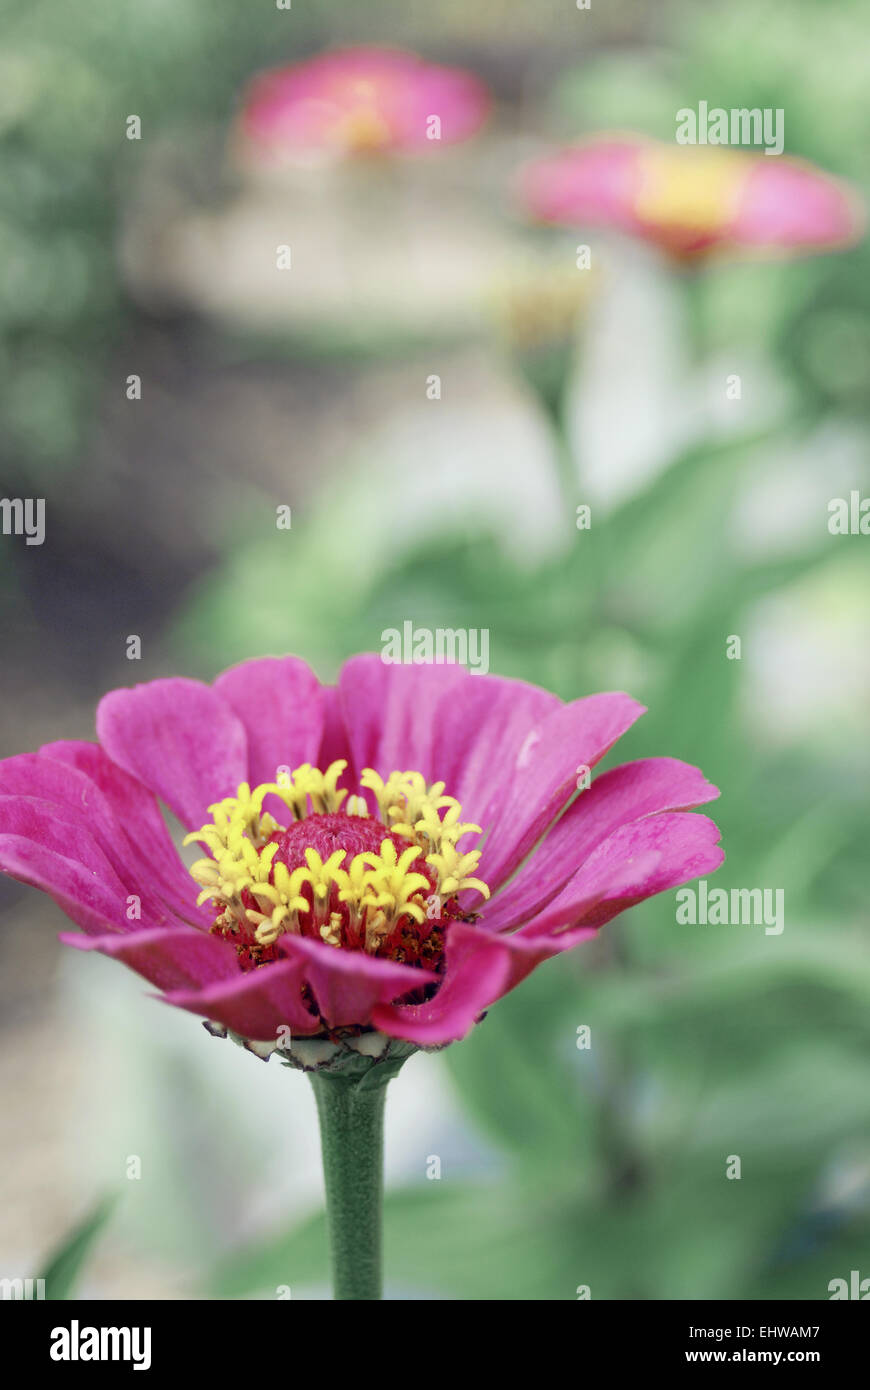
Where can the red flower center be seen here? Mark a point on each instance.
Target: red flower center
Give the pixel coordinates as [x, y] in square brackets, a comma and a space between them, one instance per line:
[355, 835]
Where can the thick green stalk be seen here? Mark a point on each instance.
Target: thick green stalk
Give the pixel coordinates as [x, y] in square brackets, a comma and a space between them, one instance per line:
[352, 1139]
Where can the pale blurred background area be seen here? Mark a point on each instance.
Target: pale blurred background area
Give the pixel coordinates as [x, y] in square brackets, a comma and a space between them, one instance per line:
[155, 258]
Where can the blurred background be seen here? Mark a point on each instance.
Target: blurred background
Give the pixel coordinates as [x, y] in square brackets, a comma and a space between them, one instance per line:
[560, 1167]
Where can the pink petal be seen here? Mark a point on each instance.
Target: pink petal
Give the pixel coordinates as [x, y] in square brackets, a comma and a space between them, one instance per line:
[594, 183]
[477, 971]
[389, 712]
[347, 985]
[168, 958]
[544, 776]
[45, 845]
[638, 860]
[625, 793]
[789, 203]
[530, 947]
[64, 795]
[255, 1003]
[280, 703]
[129, 820]
[481, 967]
[480, 730]
[334, 744]
[180, 739]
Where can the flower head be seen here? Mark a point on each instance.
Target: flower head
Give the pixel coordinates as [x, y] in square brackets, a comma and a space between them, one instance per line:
[393, 854]
[359, 100]
[692, 200]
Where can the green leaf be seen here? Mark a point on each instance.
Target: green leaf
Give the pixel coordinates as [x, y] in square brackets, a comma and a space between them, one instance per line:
[68, 1259]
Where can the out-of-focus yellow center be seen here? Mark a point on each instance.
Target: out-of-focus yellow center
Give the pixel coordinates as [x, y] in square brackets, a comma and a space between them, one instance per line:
[362, 129]
[690, 188]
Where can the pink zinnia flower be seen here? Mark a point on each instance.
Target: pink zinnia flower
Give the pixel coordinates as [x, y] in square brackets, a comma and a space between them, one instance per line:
[331, 910]
[691, 200]
[360, 99]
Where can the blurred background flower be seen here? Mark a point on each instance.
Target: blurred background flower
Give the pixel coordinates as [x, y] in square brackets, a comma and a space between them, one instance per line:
[690, 200]
[434, 388]
[358, 100]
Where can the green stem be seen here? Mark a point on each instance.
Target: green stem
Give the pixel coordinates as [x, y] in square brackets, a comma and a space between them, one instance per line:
[352, 1139]
[548, 369]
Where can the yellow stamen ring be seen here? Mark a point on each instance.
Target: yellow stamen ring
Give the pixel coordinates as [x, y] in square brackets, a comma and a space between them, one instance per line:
[258, 898]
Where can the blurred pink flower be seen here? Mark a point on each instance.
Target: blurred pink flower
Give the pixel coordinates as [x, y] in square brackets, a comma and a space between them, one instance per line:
[366, 911]
[359, 99]
[692, 200]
